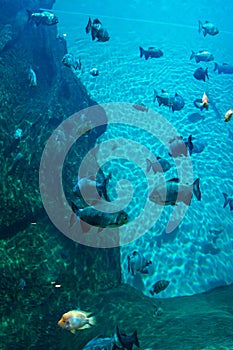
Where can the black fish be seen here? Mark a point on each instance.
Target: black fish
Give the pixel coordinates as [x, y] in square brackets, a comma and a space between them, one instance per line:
[127, 341]
[224, 68]
[97, 30]
[152, 52]
[201, 74]
[159, 287]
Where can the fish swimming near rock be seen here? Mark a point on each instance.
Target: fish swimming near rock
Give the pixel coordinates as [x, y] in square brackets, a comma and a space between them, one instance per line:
[201, 74]
[76, 320]
[160, 166]
[159, 286]
[32, 77]
[228, 200]
[152, 52]
[224, 68]
[138, 263]
[228, 115]
[172, 192]
[71, 61]
[202, 55]
[140, 107]
[207, 28]
[117, 341]
[44, 17]
[89, 216]
[97, 30]
[195, 117]
[177, 103]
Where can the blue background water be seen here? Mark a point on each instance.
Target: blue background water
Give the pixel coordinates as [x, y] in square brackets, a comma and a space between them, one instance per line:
[192, 258]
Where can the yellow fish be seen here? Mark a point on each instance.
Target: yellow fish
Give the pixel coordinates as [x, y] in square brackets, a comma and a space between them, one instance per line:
[228, 115]
[76, 320]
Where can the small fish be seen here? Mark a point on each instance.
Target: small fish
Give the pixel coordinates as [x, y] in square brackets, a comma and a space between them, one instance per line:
[71, 61]
[228, 115]
[159, 287]
[152, 52]
[167, 194]
[137, 263]
[141, 107]
[44, 17]
[207, 28]
[228, 200]
[164, 99]
[32, 77]
[160, 166]
[201, 74]
[202, 55]
[225, 68]
[97, 30]
[76, 320]
[195, 117]
[94, 72]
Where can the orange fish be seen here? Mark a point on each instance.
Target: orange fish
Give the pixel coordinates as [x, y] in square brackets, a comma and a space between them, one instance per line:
[228, 115]
[205, 101]
[76, 320]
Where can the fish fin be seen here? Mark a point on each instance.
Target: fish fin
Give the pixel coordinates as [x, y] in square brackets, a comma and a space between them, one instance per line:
[155, 95]
[174, 179]
[158, 158]
[206, 73]
[135, 338]
[163, 91]
[85, 226]
[199, 26]
[192, 55]
[226, 200]
[29, 15]
[205, 32]
[92, 321]
[215, 66]
[151, 292]
[141, 51]
[148, 165]
[197, 59]
[72, 219]
[128, 260]
[147, 55]
[196, 189]
[73, 331]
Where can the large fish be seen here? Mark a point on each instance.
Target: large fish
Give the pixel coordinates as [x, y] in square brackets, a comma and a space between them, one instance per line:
[207, 28]
[152, 52]
[202, 55]
[173, 192]
[76, 320]
[224, 68]
[90, 216]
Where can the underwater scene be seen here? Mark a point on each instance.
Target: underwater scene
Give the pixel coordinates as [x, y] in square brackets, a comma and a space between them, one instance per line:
[116, 175]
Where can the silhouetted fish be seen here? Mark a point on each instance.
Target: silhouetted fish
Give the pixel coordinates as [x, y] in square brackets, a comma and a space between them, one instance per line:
[152, 52]
[224, 68]
[159, 287]
[195, 117]
[201, 74]
[208, 28]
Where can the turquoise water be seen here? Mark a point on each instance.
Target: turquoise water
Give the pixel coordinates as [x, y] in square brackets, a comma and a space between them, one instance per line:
[192, 258]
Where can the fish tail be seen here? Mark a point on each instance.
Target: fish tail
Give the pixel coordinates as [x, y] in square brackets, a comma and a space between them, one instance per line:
[192, 55]
[190, 145]
[88, 27]
[155, 95]
[135, 338]
[142, 52]
[199, 26]
[152, 292]
[92, 321]
[29, 15]
[196, 189]
[226, 200]
[148, 165]
[206, 73]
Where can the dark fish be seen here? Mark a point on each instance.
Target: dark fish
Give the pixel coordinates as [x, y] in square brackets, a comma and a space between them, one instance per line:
[224, 68]
[195, 117]
[137, 263]
[208, 28]
[94, 72]
[228, 200]
[198, 146]
[159, 287]
[90, 216]
[163, 99]
[102, 343]
[161, 165]
[152, 52]
[178, 103]
[140, 107]
[44, 17]
[127, 341]
[201, 74]
[97, 30]
[71, 61]
[202, 55]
